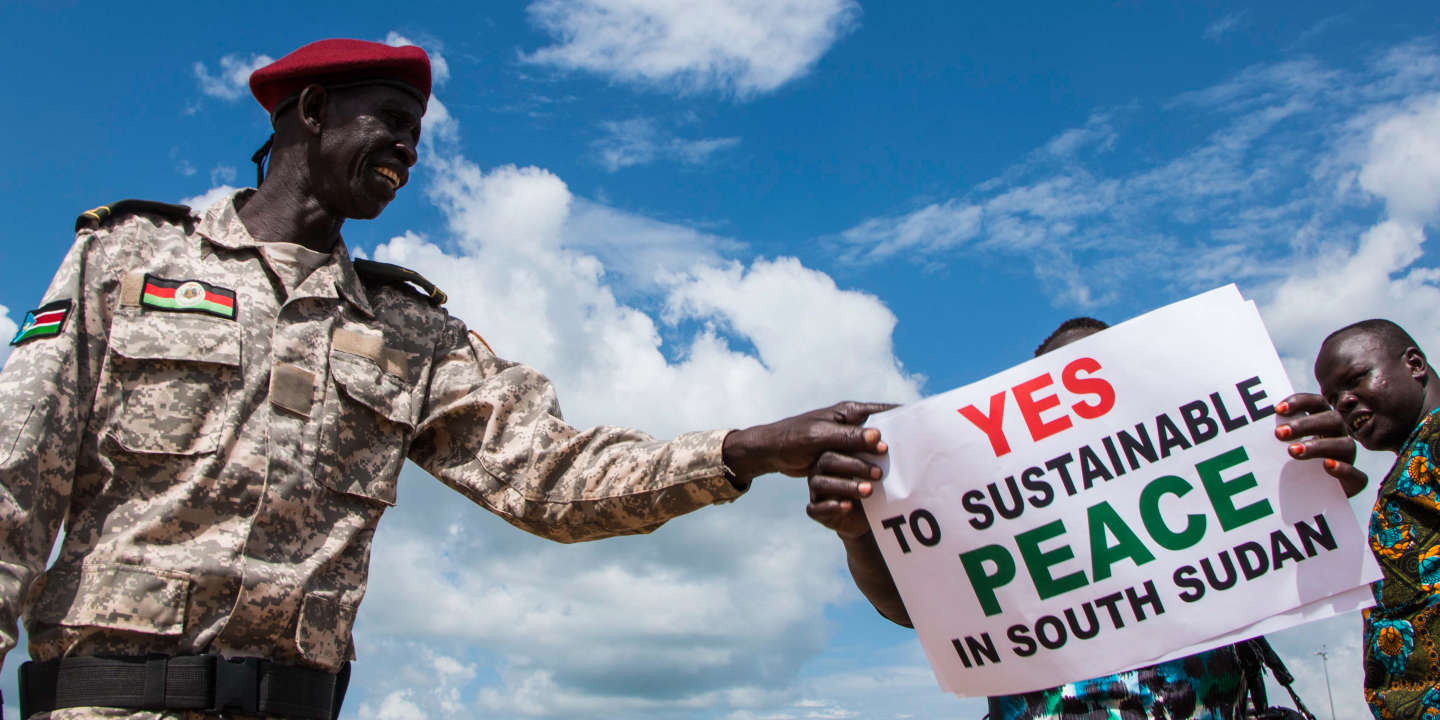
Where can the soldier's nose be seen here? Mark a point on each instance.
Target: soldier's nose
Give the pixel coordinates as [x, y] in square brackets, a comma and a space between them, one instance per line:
[407, 152]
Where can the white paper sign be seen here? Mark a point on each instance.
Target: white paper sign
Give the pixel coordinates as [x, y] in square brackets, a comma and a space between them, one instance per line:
[1116, 501]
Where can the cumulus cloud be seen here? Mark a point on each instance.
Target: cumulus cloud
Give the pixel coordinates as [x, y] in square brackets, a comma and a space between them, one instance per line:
[638, 141]
[1384, 274]
[542, 297]
[638, 252]
[198, 203]
[231, 81]
[740, 46]
[1404, 163]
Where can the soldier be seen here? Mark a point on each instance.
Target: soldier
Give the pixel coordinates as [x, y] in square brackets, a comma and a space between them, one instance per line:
[218, 408]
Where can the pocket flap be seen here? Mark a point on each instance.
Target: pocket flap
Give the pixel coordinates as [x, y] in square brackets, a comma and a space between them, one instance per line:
[323, 631]
[175, 336]
[124, 597]
[365, 382]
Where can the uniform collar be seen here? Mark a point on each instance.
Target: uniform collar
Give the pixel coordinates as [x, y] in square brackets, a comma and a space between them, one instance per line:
[221, 225]
[348, 282]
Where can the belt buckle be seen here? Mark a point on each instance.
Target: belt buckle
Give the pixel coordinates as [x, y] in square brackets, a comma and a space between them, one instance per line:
[237, 685]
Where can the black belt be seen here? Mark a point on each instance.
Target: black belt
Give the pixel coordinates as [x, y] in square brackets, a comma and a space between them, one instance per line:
[208, 683]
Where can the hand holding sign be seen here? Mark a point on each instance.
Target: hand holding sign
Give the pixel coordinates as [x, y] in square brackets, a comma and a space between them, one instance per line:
[792, 446]
[1315, 419]
[837, 485]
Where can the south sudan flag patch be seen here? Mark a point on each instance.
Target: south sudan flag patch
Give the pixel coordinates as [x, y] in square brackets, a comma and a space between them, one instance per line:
[188, 296]
[43, 321]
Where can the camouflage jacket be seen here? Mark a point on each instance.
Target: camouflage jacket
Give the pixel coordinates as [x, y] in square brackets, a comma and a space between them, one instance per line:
[222, 450]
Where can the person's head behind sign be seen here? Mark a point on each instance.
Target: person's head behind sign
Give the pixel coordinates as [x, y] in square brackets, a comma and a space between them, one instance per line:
[1070, 331]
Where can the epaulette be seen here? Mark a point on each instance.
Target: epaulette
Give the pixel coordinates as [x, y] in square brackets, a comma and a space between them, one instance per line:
[387, 273]
[105, 214]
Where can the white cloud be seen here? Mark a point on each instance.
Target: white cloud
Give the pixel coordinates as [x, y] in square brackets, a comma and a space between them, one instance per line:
[232, 81]
[222, 175]
[741, 46]
[542, 299]
[638, 141]
[1384, 273]
[198, 203]
[398, 705]
[1096, 133]
[180, 163]
[637, 251]
[1226, 24]
[8, 328]
[933, 228]
[1404, 164]
[1301, 154]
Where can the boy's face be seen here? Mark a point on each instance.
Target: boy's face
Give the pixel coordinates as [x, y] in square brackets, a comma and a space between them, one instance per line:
[1377, 388]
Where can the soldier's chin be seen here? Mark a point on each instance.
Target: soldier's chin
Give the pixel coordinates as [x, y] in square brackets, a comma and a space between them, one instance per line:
[369, 210]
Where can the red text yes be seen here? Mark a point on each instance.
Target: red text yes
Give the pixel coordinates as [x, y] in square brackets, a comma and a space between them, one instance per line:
[1034, 400]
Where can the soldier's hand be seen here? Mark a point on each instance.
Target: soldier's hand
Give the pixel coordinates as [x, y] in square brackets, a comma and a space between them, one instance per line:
[837, 483]
[793, 445]
[1315, 430]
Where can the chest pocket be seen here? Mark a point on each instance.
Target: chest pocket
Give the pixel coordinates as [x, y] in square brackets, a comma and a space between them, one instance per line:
[368, 418]
[177, 376]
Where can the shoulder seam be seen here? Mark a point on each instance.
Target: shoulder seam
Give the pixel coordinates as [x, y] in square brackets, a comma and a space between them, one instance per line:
[390, 274]
[103, 215]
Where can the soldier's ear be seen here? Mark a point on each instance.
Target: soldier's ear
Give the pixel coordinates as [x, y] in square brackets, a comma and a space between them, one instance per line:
[312, 106]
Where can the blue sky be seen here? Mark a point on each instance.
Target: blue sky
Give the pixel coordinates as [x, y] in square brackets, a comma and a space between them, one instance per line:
[700, 214]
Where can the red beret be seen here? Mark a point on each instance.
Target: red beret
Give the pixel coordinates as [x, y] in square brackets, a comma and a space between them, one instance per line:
[338, 62]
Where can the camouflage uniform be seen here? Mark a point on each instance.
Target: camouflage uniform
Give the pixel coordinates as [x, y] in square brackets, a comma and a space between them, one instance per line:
[221, 479]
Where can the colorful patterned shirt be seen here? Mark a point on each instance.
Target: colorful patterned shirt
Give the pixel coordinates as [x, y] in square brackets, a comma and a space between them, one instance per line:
[1204, 686]
[1402, 674]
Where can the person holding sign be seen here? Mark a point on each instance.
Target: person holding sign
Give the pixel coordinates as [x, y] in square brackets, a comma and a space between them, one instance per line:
[1378, 388]
[1204, 686]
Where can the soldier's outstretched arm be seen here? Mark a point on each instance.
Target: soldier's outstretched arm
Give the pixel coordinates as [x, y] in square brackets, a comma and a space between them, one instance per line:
[492, 429]
[46, 390]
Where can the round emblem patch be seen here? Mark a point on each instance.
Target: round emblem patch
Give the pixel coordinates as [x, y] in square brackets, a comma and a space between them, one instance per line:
[190, 293]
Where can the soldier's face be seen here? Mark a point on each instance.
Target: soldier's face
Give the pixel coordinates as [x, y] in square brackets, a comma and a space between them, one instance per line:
[1376, 388]
[367, 147]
